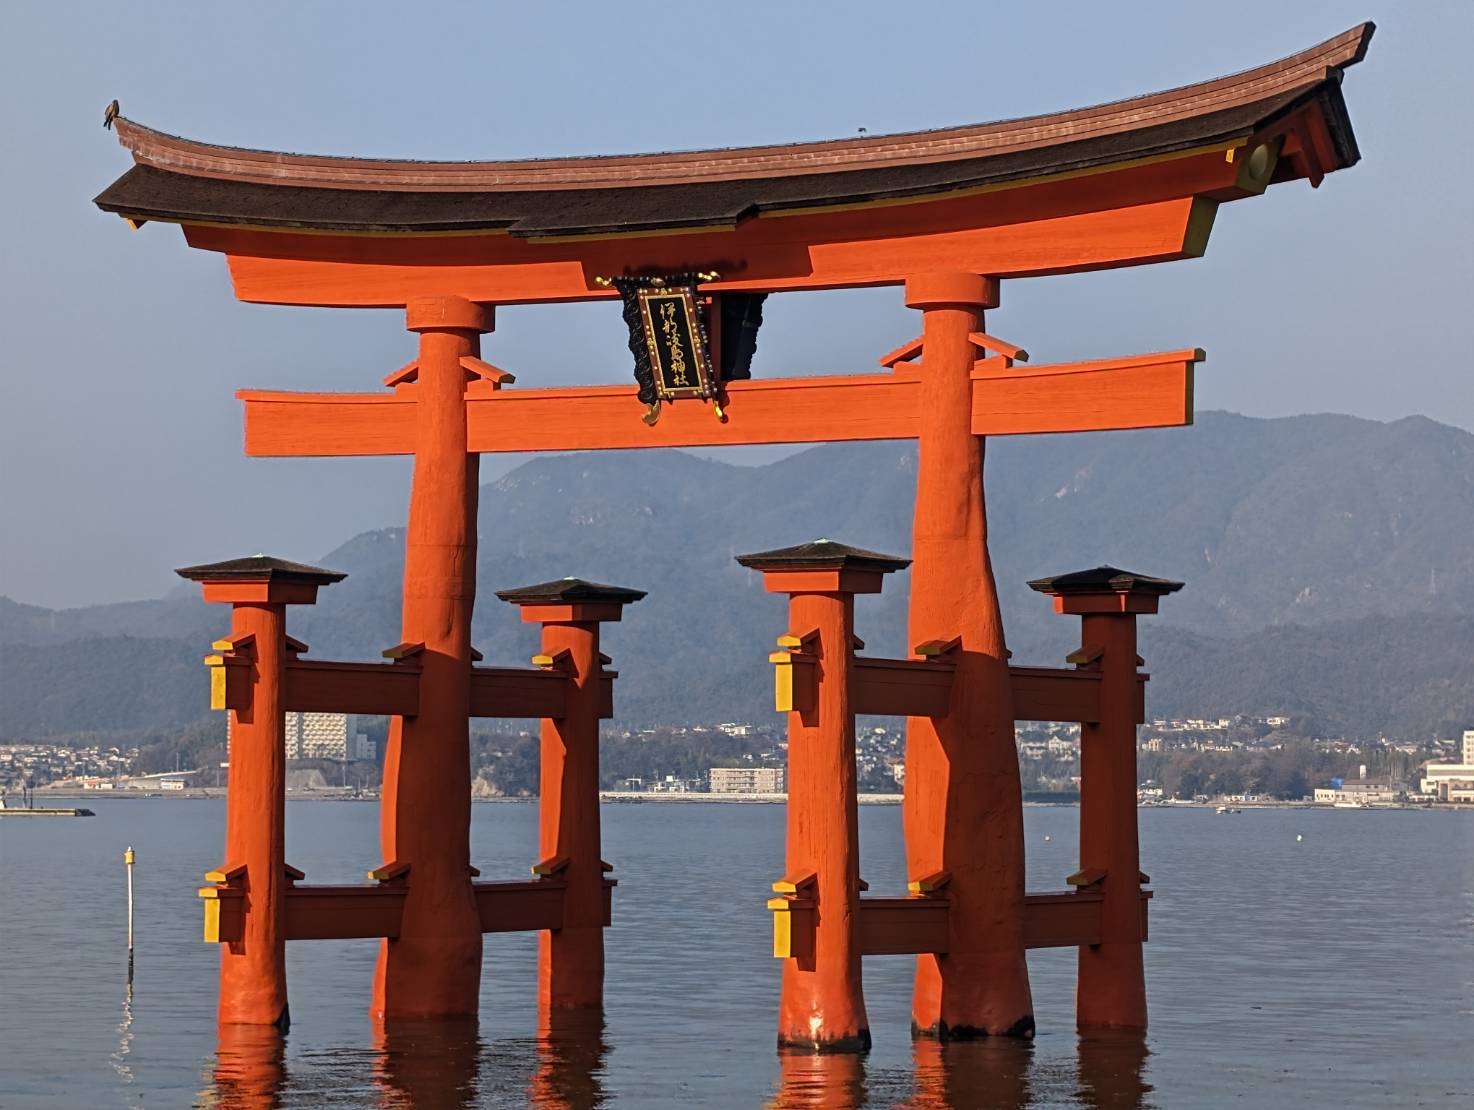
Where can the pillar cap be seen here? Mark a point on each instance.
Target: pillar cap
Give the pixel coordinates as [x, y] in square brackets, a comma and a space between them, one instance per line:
[951, 288]
[823, 554]
[1104, 580]
[448, 314]
[261, 568]
[569, 591]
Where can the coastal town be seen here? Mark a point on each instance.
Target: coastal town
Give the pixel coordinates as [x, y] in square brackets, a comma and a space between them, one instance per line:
[1226, 761]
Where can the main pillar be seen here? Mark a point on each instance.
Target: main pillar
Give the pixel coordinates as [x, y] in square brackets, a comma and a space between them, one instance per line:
[963, 806]
[253, 970]
[1111, 990]
[570, 966]
[823, 1003]
[433, 968]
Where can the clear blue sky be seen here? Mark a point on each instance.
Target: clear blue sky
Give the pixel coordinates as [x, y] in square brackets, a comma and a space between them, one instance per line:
[121, 440]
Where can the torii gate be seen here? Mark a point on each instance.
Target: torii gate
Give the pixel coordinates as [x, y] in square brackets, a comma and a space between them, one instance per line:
[947, 214]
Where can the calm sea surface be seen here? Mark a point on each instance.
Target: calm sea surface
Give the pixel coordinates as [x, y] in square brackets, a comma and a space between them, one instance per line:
[1333, 970]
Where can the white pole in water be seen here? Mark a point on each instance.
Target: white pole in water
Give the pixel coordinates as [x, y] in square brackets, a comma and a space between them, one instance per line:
[128, 858]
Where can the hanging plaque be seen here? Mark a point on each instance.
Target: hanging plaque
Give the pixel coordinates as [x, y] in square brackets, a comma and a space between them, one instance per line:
[676, 341]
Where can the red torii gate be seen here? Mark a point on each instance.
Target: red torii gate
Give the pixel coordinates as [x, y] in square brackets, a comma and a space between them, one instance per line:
[945, 213]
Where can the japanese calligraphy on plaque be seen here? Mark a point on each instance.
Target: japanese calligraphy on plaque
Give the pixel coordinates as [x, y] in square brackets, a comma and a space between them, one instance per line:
[668, 340]
[676, 342]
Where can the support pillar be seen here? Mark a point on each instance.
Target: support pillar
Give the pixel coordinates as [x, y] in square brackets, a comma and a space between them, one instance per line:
[433, 968]
[823, 1004]
[253, 970]
[1111, 990]
[963, 804]
[571, 959]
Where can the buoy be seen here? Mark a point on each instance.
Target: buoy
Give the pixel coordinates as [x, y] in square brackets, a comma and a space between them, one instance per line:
[1298, 838]
[1046, 838]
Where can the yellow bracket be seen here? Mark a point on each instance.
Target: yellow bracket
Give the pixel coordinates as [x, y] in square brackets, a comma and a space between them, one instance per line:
[547, 868]
[930, 884]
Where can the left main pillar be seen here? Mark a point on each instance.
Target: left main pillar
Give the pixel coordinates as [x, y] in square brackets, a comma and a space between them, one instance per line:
[433, 968]
[253, 968]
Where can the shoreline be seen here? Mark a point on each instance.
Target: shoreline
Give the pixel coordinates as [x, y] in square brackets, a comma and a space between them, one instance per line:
[626, 797]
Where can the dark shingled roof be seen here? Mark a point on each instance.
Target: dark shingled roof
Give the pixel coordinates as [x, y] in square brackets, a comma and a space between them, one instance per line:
[569, 590]
[823, 554]
[260, 566]
[1100, 580]
[186, 181]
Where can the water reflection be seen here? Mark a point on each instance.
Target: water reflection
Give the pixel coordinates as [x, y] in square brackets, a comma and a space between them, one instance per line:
[992, 1073]
[249, 1068]
[807, 1079]
[988, 1073]
[125, 1032]
[570, 1061]
[1112, 1070]
[427, 1063]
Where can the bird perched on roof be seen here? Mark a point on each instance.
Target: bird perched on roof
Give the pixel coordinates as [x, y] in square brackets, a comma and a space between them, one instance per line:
[109, 115]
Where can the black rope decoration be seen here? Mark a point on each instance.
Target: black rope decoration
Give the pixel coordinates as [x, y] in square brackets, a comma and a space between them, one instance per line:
[742, 316]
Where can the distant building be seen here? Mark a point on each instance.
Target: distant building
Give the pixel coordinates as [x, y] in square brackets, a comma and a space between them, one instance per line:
[171, 784]
[1452, 782]
[1361, 792]
[748, 780]
[320, 736]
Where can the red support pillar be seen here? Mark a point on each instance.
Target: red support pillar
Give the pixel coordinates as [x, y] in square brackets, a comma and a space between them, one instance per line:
[823, 1002]
[1111, 992]
[253, 970]
[571, 959]
[963, 806]
[433, 968]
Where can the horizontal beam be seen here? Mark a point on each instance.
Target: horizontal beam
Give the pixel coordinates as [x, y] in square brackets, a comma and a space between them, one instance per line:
[902, 687]
[1144, 391]
[1133, 216]
[515, 907]
[351, 912]
[1061, 694]
[896, 926]
[518, 692]
[344, 912]
[325, 686]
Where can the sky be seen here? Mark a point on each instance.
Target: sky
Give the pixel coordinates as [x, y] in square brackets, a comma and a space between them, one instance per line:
[120, 439]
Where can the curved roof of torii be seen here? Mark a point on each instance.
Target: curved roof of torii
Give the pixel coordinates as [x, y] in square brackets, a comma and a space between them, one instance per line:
[184, 181]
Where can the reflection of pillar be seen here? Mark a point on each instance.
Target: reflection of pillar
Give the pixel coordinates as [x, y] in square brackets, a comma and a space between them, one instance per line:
[823, 1004]
[963, 807]
[253, 970]
[570, 1060]
[433, 1063]
[434, 966]
[571, 959]
[1112, 1067]
[981, 1074]
[819, 1081]
[1112, 983]
[249, 1068]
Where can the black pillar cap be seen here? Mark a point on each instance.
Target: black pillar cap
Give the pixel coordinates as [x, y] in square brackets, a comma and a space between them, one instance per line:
[1104, 580]
[257, 567]
[823, 554]
[567, 591]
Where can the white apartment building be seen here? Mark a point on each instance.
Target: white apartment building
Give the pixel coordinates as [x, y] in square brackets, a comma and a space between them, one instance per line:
[748, 780]
[322, 736]
[1452, 782]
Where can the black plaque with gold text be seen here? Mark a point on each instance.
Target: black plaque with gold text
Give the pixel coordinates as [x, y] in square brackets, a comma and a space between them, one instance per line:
[676, 342]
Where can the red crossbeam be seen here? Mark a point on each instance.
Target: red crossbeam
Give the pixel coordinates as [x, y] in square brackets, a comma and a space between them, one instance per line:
[1143, 391]
[1063, 919]
[922, 688]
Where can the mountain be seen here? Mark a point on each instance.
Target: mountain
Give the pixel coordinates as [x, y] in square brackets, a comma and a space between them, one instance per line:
[1329, 564]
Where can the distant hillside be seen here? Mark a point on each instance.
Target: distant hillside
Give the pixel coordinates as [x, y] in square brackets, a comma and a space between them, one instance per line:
[1329, 563]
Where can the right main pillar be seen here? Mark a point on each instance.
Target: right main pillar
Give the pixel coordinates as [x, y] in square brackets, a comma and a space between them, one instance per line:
[963, 807]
